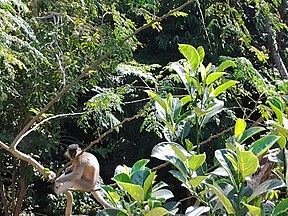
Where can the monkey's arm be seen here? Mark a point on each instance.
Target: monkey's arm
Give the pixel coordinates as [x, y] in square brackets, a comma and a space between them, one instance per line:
[75, 174]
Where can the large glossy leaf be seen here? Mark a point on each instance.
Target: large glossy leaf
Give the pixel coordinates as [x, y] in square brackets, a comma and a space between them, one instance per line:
[191, 54]
[222, 157]
[281, 209]
[223, 199]
[164, 151]
[280, 128]
[148, 182]
[158, 99]
[267, 186]
[139, 165]
[196, 210]
[249, 133]
[195, 161]
[222, 88]
[239, 128]
[278, 112]
[122, 177]
[263, 144]
[214, 76]
[164, 194]
[214, 110]
[181, 72]
[224, 65]
[136, 191]
[140, 176]
[159, 211]
[247, 163]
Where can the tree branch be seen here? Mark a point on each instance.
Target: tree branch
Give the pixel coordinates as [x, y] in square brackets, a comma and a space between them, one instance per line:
[86, 72]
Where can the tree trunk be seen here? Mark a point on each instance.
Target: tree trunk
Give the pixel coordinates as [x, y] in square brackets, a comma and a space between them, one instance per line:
[274, 50]
[21, 196]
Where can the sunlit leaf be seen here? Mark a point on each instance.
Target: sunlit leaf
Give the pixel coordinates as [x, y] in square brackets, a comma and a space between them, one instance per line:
[247, 163]
[195, 182]
[136, 191]
[159, 211]
[196, 210]
[214, 76]
[224, 65]
[223, 199]
[195, 161]
[249, 133]
[263, 144]
[191, 54]
[239, 128]
[222, 88]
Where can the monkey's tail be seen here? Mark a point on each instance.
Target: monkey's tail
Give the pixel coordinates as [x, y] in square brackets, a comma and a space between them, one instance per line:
[98, 196]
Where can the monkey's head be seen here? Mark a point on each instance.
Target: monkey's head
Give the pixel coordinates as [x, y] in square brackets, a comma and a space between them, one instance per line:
[73, 151]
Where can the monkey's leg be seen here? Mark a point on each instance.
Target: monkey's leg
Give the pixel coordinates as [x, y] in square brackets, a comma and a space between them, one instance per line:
[62, 187]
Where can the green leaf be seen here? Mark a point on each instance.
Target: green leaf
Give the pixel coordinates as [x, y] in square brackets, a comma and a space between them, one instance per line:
[159, 211]
[278, 113]
[214, 76]
[196, 210]
[240, 127]
[139, 177]
[279, 127]
[247, 163]
[263, 144]
[254, 210]
[148, 182]
[158, 99]
[191, 54]
[222, 157]
[201, 53]
[249, 133]
[281, 209]
[222, 88]
[122, 177]
[164, 151]
[186, 99]
[224, 65]
[179, 153]
[164, 194]
[223, 199]
[195, 182]
[203, 72]
[136, 191]
[139, 165]
[195, 161]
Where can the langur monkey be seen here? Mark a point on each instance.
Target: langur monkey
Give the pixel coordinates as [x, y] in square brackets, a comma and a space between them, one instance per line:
[82, 175]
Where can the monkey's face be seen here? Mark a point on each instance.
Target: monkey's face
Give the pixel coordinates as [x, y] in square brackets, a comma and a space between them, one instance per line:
[72, 153]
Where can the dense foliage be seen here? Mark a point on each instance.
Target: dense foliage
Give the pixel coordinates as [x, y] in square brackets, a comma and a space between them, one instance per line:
[221, 126]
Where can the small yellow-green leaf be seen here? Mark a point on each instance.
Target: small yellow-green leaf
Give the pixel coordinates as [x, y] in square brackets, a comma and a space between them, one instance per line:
[240, 127]
[158, 99]
[201, 53]
[278, 112]
[159, 211]
[195, 161]
[203, 72]
[254, 210]
[195, 182]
